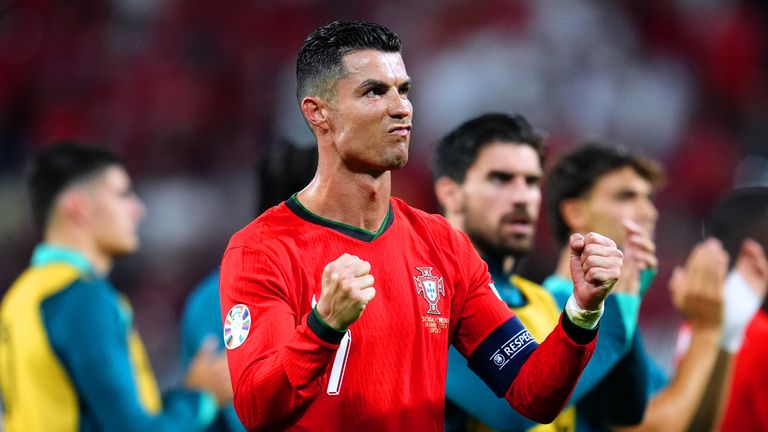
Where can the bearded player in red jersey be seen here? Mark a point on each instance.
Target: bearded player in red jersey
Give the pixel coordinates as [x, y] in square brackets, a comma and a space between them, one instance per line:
[340, 304]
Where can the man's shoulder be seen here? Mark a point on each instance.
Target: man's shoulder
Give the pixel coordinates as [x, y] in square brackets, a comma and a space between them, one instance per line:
[556, 283]
[419, 218]
[269, 225]
[38, 283]
[527, 283]
[537, 295]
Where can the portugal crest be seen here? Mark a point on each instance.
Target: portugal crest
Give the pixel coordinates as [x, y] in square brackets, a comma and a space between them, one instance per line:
[430, 287]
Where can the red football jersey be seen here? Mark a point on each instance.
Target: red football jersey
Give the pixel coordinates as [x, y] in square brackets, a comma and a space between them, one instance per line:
[388, 372]
[747, 408]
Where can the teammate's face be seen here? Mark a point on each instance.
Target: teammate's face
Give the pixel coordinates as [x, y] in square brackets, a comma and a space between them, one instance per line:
[114, 212]
[371, 114]
[501, 197]
[617, 196]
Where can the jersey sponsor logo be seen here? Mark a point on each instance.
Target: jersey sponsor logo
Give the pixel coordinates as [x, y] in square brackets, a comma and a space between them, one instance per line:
[511, 348]
[236, 326]
[430, 287]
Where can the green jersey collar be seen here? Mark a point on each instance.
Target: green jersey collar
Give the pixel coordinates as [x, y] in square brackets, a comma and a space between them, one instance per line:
[368, 236]
[46, 253]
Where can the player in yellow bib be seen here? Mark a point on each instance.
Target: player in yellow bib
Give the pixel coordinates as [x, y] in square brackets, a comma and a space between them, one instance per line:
[70, 358]
[488, 174]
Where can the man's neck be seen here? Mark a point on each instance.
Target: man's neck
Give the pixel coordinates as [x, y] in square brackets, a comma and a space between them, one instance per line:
[358, 200]
[504, 265]
[68, 239]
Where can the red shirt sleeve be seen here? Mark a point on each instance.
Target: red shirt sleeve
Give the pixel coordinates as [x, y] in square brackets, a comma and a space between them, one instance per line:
[276, 370]
[548, 376]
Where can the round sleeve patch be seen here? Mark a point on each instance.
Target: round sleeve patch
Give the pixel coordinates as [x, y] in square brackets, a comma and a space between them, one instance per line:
[236, 326]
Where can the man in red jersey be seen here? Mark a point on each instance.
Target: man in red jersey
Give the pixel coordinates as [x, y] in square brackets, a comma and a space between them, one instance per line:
[740, 221]
[296, 281]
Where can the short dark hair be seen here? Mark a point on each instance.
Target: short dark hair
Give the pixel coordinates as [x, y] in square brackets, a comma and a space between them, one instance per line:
[58, 166]
[740, 214]
[284, 170]
[320, 63]
[575, 174]
[458, 150]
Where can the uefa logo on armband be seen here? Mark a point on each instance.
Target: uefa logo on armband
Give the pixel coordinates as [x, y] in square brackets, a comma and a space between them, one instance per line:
[236, 326]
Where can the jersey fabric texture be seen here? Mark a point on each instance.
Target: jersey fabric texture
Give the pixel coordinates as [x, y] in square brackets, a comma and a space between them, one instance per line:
[538, 309]
[201, 321]
[748, 403]
[432, 289]
[71, 360]
[621, 396]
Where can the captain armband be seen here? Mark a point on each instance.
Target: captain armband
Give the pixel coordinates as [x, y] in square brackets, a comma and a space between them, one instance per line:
[500, 356]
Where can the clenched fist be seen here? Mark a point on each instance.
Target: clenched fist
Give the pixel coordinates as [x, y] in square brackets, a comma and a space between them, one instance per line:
[347, 289]
[595, 266]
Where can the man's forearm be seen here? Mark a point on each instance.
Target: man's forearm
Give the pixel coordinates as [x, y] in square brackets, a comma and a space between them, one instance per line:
[539, 395]
[673, 408]
[712, 407]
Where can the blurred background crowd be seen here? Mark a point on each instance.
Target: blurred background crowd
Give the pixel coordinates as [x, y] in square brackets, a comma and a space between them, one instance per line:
[192, 94]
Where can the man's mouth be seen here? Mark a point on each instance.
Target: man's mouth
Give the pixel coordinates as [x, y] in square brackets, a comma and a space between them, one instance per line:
[402, 130]
[518, 223]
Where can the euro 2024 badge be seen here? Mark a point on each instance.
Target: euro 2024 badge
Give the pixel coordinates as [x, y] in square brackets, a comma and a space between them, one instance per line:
[431, 288]
[236, 326]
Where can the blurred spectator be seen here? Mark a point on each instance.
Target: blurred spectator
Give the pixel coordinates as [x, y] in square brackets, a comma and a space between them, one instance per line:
[70, 356]
[740, 221]
[600, 189]
[488, 174]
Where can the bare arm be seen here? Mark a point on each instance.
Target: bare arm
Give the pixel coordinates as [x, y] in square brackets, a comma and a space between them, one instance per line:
[697, 293]
[712, 407]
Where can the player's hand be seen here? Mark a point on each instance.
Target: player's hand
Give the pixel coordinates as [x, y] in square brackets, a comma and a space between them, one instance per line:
[752, 264]
[347, 289]
[209, 372]
[639, 254]
[595, 263]
[697, 290]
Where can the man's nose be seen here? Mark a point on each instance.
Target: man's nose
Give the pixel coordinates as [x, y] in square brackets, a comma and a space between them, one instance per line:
[400, 107]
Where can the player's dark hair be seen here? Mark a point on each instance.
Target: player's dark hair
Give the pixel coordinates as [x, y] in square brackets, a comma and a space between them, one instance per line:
[740, 214]
[58, 166]
[320, 63]
[575, 174]
[284, 170]
[458, 150]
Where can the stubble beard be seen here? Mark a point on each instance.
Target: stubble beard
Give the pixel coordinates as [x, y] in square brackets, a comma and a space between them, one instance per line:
[495, 243]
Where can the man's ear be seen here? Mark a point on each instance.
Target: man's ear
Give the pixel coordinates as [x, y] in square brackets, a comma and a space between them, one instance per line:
[316, 111]
[448, 193]
[73, 205]
[574, 214]
[752, 264]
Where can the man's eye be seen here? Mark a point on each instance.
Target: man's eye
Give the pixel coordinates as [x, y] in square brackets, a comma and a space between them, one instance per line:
[500, 179]
[533, 181]
[374, 92]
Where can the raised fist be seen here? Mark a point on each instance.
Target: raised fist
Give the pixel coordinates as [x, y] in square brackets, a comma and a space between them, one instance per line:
[595, 263]
[347, 289]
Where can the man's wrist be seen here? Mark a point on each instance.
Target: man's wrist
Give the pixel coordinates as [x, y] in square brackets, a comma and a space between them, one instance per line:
[322, 329]
[741, 303]
[586, 319]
